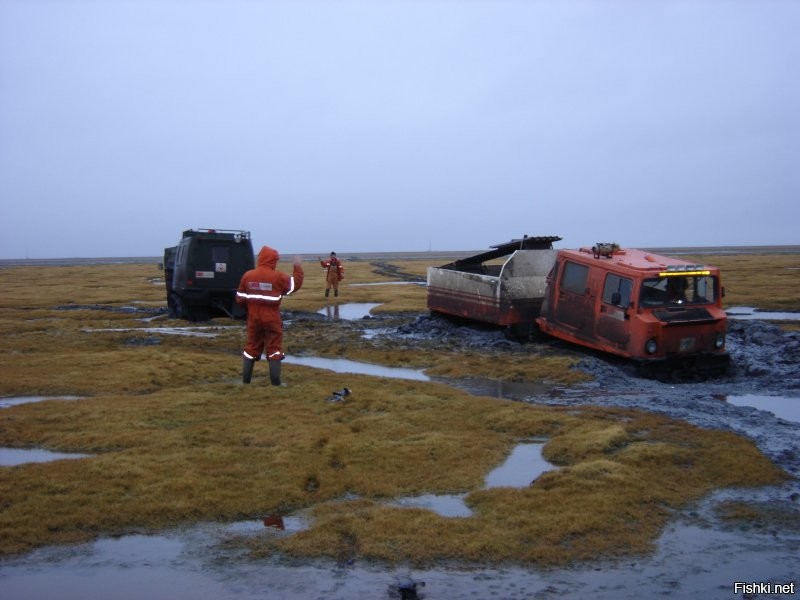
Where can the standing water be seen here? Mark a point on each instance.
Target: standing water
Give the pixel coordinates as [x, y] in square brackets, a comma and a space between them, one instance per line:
[522, 467]
[348, 312]
[782, 407]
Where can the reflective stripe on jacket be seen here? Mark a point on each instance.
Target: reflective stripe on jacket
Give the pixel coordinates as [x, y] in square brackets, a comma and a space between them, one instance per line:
[263, 288]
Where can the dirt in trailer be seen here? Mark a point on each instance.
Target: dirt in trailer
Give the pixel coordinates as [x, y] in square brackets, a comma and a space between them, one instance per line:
[700, 554]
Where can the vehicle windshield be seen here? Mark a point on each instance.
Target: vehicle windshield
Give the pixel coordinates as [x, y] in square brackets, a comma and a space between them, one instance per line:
[678, 290]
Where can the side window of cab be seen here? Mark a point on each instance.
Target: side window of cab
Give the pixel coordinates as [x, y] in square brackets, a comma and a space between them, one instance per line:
[574, 278]
[617, 291]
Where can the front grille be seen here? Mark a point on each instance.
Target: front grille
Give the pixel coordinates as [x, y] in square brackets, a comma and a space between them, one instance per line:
[683, 315]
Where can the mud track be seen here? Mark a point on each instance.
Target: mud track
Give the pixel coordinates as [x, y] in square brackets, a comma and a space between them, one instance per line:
[395, 273]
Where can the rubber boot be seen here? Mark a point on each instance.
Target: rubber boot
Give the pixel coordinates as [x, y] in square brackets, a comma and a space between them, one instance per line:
[336, 293]
[247, 369]
[275, 372]
[327, 292]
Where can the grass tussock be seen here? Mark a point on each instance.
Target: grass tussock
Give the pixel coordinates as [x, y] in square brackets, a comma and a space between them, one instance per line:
[611, 502]
[528, 366]
[175, 438]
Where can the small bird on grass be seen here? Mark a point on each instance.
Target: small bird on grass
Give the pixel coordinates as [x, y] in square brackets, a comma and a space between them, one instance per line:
[339, 395]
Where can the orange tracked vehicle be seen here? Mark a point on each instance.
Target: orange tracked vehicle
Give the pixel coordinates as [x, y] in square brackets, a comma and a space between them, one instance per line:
[664, 313]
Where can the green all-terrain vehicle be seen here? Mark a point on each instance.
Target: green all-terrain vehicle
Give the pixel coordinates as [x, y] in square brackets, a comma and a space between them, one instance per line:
[203, 271]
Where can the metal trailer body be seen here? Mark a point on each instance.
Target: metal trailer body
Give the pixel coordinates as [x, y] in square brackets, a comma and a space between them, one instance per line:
[506, 294]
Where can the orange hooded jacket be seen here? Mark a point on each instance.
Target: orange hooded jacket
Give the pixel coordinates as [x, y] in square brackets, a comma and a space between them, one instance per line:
[262, 289]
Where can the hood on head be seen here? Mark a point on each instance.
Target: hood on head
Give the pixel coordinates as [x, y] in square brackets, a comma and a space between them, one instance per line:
[268, 257]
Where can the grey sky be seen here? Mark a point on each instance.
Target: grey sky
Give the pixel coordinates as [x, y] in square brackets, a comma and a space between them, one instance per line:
[397, 125]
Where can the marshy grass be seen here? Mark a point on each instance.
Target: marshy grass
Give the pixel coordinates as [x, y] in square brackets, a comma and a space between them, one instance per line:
[769, 517]
[175, 438]
[622, 475]
[766, 281]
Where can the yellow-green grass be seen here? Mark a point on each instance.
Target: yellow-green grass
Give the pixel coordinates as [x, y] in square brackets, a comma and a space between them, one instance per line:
[765, 281]
[611, 496]
[225, 451]
[176, 438]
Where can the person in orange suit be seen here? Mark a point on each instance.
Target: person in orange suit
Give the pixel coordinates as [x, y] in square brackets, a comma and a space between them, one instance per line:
[335, 273]
[261, 290]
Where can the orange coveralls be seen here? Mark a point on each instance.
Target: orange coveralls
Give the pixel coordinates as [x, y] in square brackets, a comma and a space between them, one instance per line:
[335, 273]
[262, 289]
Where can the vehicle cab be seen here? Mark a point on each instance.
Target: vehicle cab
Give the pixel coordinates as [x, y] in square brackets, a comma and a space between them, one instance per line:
[636, 304]
[203, 271]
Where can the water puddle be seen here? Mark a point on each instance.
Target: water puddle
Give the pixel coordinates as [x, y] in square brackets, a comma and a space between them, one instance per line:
[781, 406]
[348, 312]
[130, 567]
[445, 505]
[209, 331]
[481, 386]
[17, 400]
[750, 313]
[11, 457]
[522, 467]
[274, 523]
[477, 386]
[153, 318]
[192, 563]
[343, 365]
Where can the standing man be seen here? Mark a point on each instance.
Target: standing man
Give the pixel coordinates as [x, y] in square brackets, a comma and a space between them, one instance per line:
[262, 289]
[335, 273]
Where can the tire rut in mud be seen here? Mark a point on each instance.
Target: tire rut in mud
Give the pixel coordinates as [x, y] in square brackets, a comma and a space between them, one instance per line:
[394, 272]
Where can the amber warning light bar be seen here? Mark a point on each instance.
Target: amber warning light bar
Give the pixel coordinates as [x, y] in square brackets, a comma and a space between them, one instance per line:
[676, 270]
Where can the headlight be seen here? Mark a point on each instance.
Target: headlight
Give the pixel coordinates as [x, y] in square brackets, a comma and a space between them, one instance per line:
[719, 341]
[651, 346]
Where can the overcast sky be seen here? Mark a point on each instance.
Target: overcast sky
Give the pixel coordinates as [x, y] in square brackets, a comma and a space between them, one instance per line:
[387, 125]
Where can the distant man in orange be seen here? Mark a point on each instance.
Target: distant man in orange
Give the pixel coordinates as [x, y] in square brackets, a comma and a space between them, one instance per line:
[334, 274]
[262, 289]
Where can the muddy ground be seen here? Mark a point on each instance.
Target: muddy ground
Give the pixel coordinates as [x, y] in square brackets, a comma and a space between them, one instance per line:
[699, 555]
[765, 361]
